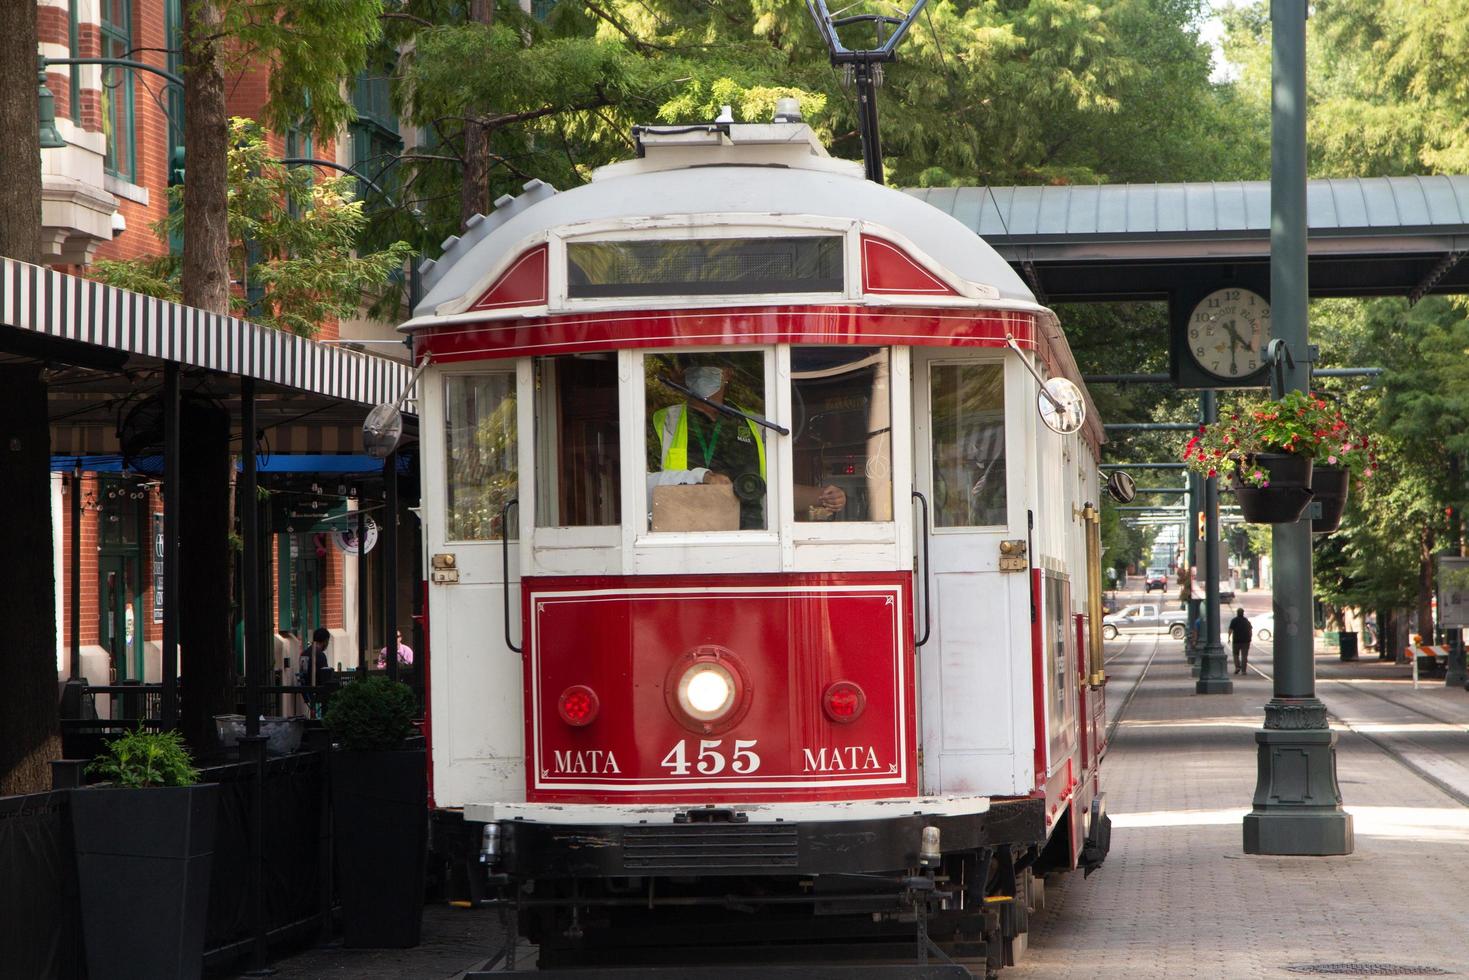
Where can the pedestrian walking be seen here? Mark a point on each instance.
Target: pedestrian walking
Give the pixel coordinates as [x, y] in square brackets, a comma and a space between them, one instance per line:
[1240, 633]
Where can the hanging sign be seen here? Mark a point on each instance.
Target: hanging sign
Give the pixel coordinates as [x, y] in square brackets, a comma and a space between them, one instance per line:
[1453, 591]
[346, 539]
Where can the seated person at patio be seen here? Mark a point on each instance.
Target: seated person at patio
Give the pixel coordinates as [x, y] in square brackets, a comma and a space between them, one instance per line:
[693, 442]
[405, 653]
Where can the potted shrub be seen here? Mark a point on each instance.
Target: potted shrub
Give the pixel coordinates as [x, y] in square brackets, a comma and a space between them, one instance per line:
[379, 813]
[144, 847]
[1271, 449]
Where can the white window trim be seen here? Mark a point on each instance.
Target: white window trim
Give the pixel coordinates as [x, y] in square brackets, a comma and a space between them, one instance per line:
[433, 385]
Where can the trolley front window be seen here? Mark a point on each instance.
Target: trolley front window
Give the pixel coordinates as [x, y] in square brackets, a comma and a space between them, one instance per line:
[578, 457]
[968, 444]
[842, 434]
[705, 266]
[708, 459]
[479, 454]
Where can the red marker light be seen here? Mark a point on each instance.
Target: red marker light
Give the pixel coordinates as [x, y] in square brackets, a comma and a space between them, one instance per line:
[843, 702]
[578, 705]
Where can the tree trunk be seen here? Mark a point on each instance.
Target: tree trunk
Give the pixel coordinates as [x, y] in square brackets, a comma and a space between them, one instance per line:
[205, 280]
[208, 678]
[474, 189]
[20, 151]
[29, 694]
[1425, 584]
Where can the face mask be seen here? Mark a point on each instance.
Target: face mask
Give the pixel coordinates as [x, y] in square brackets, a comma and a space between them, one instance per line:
[705, 381]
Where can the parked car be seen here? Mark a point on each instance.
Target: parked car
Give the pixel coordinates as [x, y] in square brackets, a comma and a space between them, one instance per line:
[1264, 624]
[1145, 618]
[1156, 580]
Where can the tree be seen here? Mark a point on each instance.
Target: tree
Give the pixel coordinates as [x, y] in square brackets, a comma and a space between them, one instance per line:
[1023, 91]
[291, 236]
[28, 713]
[312, 48]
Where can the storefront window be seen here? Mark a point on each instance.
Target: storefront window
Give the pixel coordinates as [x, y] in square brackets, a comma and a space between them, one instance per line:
[968, 444]
[842, 434]
[578, 457]
[707, 453]
[480, 454]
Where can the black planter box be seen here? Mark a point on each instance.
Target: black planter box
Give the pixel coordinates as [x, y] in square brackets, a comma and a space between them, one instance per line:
[380, 822]
[143, 861]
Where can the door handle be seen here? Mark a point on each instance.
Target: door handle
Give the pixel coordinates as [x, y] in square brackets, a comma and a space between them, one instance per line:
[505, 565]
[927, 615]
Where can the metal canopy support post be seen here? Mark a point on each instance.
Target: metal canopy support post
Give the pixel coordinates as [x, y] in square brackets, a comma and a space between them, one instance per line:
[1297, 803]
[390, 563]
[250, 560]
[1455, 672]
[363, 586]
[172, 493]
[1212, 678]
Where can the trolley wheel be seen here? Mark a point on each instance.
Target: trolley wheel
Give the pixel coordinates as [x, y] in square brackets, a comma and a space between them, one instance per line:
[1109, 632]
[1177, 632]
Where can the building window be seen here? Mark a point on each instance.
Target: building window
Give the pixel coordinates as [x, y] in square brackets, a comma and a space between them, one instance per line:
[375, 139]
[74, 87]
[117, 89]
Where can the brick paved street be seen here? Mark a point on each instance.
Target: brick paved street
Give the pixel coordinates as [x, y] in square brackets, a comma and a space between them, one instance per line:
[1178, 898]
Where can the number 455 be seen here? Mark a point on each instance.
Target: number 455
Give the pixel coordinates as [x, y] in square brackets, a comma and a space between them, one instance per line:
[711, 759]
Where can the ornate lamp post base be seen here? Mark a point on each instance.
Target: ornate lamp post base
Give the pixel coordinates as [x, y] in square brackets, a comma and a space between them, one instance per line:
[1211, 672]
[1298, 807]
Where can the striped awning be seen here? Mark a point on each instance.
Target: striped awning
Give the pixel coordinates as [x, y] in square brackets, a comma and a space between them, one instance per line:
[65, 307]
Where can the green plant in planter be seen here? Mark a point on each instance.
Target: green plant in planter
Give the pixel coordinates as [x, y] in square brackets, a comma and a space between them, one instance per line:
[140, 759]
[1301, 423]
[371, 715]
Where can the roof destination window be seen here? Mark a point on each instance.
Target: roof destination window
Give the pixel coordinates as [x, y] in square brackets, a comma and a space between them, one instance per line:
[705, 266]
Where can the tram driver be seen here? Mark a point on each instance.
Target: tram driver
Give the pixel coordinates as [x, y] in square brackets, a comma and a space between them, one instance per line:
[692, 442]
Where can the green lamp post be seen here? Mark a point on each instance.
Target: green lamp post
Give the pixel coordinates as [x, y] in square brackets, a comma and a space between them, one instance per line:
[46, 110]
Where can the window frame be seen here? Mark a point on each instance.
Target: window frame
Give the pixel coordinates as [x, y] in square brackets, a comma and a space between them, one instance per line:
[118, 109]
[514, 530]
[701, 227]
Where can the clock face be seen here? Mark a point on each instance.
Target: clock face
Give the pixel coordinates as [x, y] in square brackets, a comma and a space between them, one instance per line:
[1227, 332]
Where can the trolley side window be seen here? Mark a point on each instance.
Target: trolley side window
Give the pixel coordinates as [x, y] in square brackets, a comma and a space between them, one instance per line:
[705, 266]
[578, 460]
[842, 434]
[707, 456]
[480, 454]
[968, 403]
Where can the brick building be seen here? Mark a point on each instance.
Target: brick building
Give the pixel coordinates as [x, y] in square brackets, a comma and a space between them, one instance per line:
[102, 193]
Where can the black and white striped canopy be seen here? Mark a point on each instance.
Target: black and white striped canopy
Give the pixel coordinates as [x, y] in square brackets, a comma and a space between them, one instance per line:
[54, 304]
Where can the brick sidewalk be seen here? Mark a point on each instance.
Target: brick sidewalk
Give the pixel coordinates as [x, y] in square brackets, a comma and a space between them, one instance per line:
[1178, 898]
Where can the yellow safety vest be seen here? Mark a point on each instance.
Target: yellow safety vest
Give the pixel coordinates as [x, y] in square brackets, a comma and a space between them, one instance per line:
[672, 425]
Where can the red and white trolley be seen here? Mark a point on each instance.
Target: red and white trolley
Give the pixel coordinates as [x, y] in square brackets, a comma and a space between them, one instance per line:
[760, 593]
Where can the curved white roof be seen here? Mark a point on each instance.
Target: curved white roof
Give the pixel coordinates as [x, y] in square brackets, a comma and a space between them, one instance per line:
[761, 192]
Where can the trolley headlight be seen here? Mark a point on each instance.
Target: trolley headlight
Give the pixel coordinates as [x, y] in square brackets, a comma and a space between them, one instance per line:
[706, 691]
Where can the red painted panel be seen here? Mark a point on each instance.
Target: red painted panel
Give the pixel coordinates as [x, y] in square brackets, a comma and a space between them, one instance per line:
[888, 269]
[615, 330]
[1038, 675]
[790, 636]
[523, 284]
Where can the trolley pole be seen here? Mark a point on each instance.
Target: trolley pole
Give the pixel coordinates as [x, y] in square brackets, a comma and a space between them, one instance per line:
[1297, 803]
[1212, 678]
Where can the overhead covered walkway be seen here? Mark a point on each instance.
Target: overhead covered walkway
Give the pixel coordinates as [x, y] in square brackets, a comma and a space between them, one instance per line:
[1399, 236]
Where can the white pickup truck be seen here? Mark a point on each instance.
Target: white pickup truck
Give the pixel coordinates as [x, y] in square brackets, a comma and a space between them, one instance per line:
[1145, 617]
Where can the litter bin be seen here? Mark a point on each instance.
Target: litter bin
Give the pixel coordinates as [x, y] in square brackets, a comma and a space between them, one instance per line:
[1348, 645]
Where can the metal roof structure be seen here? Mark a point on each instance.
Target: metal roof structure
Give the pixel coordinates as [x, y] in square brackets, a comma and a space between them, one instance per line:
[1368, 236]
[109, 345]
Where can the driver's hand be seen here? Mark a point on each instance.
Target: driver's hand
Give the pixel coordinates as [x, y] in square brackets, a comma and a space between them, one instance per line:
[713, 477]
[832, 498]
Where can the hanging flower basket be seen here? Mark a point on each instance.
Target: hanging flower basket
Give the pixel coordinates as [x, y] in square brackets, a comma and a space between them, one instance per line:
[1285, 492]
[1330, 485]
[1269, 448]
